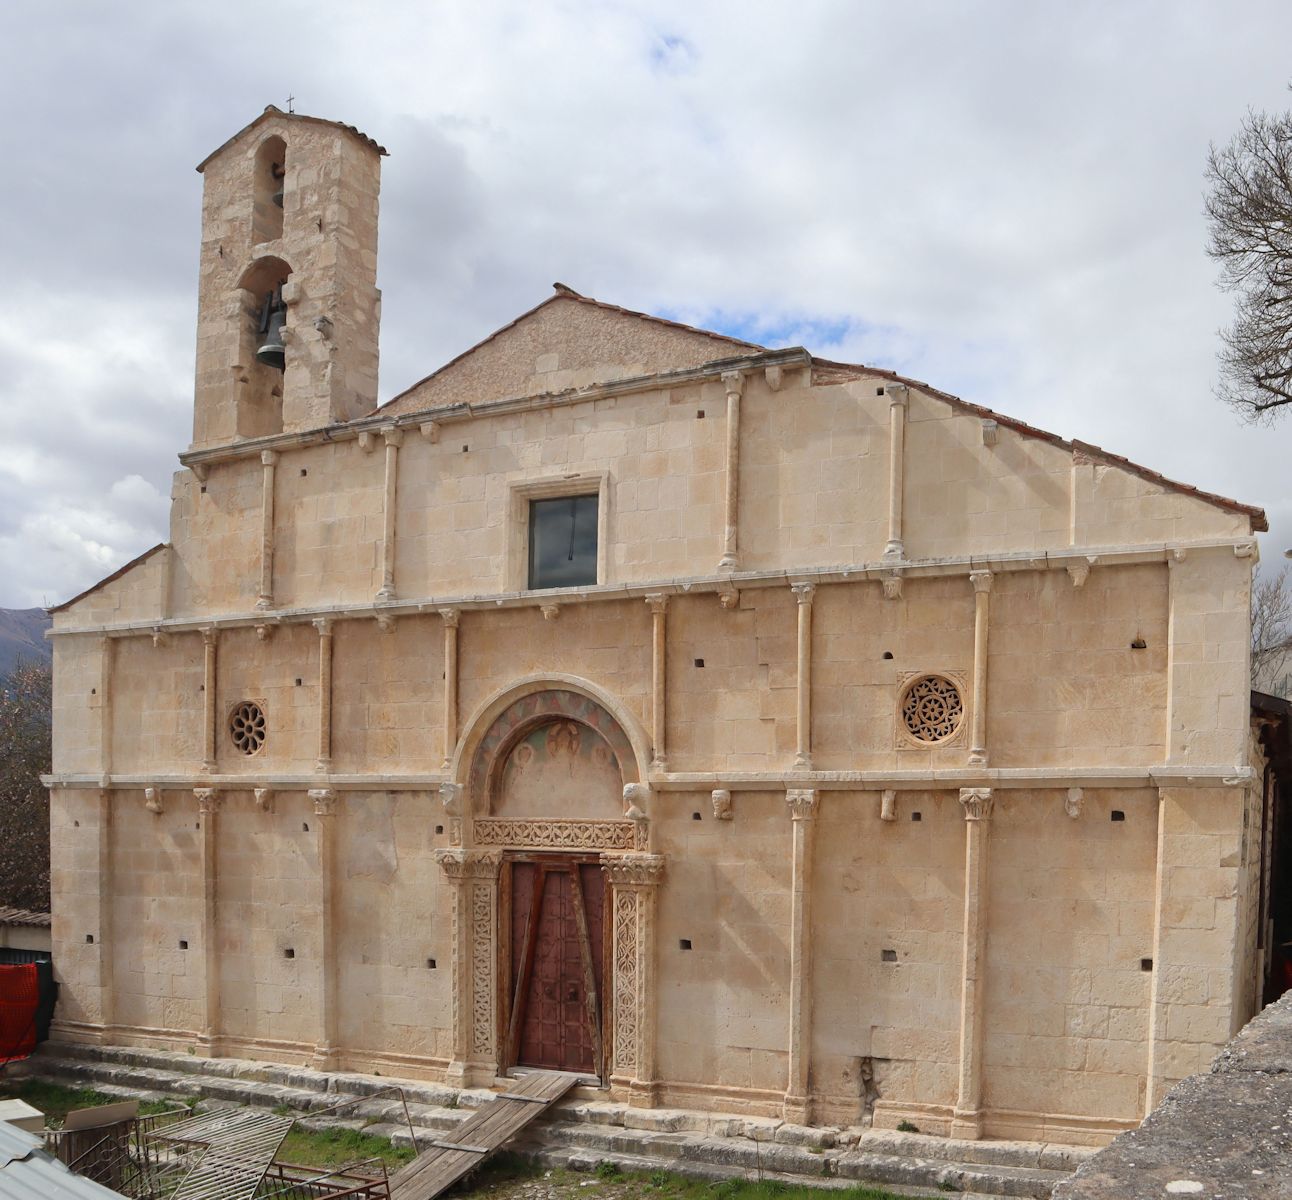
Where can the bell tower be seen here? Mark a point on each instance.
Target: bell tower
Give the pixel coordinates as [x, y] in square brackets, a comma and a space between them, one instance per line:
[288, 306]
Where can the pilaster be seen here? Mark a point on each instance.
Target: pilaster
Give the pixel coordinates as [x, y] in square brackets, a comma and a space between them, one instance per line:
[208, 807]
[658, 603]
[393, 439]
[981, 580]
[803, 807]
[324, 627]
[450, 618]
[210, 647]
[325, 1049]
[268, 463]
[966, 1118]
[733, 382]
[897, 394]
[803, 594]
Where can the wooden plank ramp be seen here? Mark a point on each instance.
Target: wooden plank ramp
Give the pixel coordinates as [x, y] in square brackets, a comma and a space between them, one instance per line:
[467, 1146]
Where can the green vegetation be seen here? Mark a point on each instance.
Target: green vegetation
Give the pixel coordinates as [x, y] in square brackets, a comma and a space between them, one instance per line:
[337, 1147]
[56, 1101]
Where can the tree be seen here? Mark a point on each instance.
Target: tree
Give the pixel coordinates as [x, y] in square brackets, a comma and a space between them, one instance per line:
[25, 745]
[1271, 632]
[1249, 209]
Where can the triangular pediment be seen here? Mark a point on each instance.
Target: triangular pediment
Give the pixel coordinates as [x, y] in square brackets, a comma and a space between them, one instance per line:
[568, 341]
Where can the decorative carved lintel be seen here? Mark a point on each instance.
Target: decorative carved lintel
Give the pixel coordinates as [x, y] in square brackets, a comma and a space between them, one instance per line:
[636, 800]
[892, 585]
[324, 800]
[888, 805]
[451, 798]
[1073, 801]
[208, 800]
[633, 870]
[550, 611]
[728, 597]
[977, 803]
[721, 804]
[153, 800]
[264, 799]
[802, 803]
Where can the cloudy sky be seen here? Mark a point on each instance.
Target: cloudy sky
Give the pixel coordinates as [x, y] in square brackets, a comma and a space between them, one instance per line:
[1004, 199]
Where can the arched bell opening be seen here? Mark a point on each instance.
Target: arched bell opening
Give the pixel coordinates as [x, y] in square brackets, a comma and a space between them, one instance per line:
[270, 177]
[262, 352]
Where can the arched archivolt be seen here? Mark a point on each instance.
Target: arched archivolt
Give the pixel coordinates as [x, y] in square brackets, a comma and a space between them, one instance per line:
[510, 715]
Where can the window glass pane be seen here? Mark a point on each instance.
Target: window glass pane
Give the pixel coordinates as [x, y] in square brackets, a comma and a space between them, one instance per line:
[563, 542]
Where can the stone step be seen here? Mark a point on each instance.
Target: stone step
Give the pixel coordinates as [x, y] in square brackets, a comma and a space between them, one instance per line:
[584, 1131]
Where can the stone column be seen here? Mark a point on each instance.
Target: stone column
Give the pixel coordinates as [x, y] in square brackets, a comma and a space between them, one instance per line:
[107, 945]
[107, 660]
[210, 645]
[802, 804]
[474, 877]
[268, 461]
[658, 603]
[896, 393]
[393, 438]
[325, 1050]
[450, 618]
[734, 383]
[803, 593]
[966, 1118]
[981, 581]
[208, 805]
[634, 884]
[324, 627]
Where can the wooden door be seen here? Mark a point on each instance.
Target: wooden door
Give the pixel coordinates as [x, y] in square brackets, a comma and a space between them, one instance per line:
[557, 947]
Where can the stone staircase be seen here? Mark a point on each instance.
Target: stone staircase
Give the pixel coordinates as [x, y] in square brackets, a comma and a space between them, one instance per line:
[582, 1131]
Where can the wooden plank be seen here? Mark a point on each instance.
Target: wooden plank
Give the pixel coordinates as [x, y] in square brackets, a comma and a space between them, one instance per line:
[485, 1131]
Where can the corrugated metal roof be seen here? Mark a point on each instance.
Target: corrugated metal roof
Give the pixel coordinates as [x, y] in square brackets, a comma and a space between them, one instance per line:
[28, 1172]
[23, 916]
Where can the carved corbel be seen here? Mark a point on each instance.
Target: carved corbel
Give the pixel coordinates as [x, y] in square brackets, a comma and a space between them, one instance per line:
[550, 611]
[1073, 801]
[977, 803]
[160, 636]
[892, 581]
[721, 804]
[774, 377]
[636, 800]
[153, 800]
[888, 805]
[385, 622]
[367, 442]
[265, 630]
[430, 430]
[1078, 573]
[451, 798]
[200, 470]
[1244, 549]
[728, 598]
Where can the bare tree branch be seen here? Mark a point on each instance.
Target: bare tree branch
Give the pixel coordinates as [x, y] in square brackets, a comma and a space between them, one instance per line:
[25, 708]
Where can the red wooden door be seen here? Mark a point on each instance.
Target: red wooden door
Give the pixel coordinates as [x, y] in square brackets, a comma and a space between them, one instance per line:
[556, 965]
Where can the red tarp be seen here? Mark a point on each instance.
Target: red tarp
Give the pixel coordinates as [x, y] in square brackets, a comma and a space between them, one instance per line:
[19, 995]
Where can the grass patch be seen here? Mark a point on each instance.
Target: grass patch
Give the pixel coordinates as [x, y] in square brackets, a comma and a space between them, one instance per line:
[56, 1100]
[336, 1147]
[752, 1189]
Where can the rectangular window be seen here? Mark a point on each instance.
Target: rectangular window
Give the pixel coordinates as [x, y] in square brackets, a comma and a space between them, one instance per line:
[563, 542]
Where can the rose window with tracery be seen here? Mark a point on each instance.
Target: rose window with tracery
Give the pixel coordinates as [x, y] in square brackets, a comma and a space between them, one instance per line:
[247, 727]
[932, 709]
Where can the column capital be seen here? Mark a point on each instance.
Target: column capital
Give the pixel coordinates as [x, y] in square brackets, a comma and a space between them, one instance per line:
[209, 635]
[393, 437]
[802, 803]
[460, 865]
[977, 803]
[803, 592]
[208, 800]
[268, 458]
[323, 625]
[733, 383]
[981, 581]
[450, 617]
[324, 800]
[897, 393]
[657, 602]
[633, 870]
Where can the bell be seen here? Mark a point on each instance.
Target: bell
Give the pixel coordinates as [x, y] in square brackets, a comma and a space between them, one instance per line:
[277, 197]
[279, 174]
[273, 317]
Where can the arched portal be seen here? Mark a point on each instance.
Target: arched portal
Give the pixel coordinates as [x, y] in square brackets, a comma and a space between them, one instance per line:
[554, 901]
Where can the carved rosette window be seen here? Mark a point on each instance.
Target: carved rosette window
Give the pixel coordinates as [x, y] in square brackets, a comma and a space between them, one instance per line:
[932, 709]
[247, 727]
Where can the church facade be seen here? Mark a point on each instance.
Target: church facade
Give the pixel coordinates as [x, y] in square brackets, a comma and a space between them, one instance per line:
[744, 731]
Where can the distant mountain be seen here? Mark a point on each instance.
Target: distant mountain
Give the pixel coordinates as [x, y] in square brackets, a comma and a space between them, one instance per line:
[22, 637]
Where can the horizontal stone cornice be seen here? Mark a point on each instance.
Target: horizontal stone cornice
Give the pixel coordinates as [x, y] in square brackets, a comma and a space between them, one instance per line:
[1037, 778]
[717, 585]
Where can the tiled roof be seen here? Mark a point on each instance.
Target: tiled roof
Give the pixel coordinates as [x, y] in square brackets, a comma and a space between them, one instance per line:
[22, 916]
[272, 110]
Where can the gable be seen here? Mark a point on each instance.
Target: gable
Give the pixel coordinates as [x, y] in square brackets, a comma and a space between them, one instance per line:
[568, 341]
